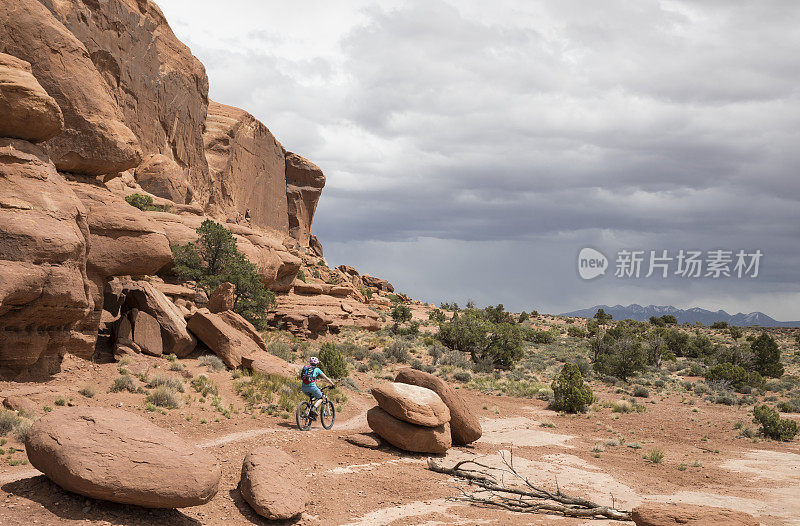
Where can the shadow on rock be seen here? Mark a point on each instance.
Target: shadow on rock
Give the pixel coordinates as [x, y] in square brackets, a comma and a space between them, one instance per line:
[248, 513]
[71, 506]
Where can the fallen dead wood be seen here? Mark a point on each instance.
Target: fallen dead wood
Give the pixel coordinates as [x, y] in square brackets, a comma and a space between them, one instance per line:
[486, 490]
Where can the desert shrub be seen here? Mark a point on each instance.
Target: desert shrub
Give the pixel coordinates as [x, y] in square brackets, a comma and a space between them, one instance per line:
[377, 360]
[570, 394]
[737, 377]
[21, 428]
[619, 353]
[655, 456]
[455, 359]
[658, 322]
[61, 401]
[164, 396]
[576, 332]
[584, 366]
[401, 313]
[767, 356]
[540, 336]
[8, 419]
[417, 364]
[471, 332]
[397, 351]
[677, 341]
[437, 316]
[602, 317]
[523, 317]
[145, 203]
[735, 332]
[726, 398]
[87, 391]
[164, 380]
[204, 386]
[123, 383]
[622, 406]
[359, 353]
[331, 361]
[436, 351]
[737, 354]
[214, 259]
[719, 325]
[212, 362]
[641, 391]
[176, 367]
[462, 376]
[772, 425]
[282, 350]
[790, 406]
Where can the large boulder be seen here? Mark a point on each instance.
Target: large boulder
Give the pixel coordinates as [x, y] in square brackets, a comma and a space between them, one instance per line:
[124, 240]
[44, 289]
[224, 340]
[247, 168]
[304, 183]
[412, 403]
[118, 456]
[223, 298]
[378, 283]
[162, 177]
[175, 335]
[464, 425]
[146, 332]
[237, 321]
[409, 437]
[661, 514]
[273, 484]
[266, 363]
[160, 88]
[28, 112]
[301, 313]
[95, 138]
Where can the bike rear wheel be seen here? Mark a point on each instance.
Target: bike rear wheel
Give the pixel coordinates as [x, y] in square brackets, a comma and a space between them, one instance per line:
[302, 416]
[327, 414]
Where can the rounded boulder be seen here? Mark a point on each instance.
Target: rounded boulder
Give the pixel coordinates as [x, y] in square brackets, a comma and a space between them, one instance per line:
[464, 425]
[118, 456]
[409, 437]
[272, 484]
[412, 404]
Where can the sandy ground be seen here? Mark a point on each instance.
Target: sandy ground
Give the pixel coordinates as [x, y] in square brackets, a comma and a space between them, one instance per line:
[588, 455]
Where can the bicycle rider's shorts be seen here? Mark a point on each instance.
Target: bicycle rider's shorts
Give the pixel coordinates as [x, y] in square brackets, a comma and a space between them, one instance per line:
[313, 390]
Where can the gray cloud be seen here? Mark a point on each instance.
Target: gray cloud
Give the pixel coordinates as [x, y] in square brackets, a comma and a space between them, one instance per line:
[471, 153]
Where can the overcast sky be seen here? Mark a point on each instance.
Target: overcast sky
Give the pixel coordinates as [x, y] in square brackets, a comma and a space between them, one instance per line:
[472, 149]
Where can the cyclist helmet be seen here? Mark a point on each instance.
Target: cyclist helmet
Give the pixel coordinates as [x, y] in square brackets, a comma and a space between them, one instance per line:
[314, 360]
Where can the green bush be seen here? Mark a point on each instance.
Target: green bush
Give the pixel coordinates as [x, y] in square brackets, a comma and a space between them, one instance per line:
[8, 419]
[87, 391]
[331, 361]
[619, 353]
[570, 394]
[772, 425]
[736, 376]
[204, 386]
[462, 376]
[281, 350]
[641, 391]
[397, 351]
[437, 316]
[401, 313]
[472, 333]
[145, 203]
[576, 332]
[214, 259]
[541, 337]
[767, 356]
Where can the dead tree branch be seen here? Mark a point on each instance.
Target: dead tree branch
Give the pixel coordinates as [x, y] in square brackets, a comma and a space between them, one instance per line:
[526, 498]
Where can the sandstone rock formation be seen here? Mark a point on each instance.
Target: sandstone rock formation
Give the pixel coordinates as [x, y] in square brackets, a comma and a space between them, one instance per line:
[95, 138]
[314, 314]
[304, 183]
[21, 405]
[411, 403]
[263, 362]
[176, 338]
[114, 455]
[247, 168]
[377, 283]
[163, 177]
[409, 437]
[223, 340]
[160, 88]
[464, 425]
[222, 298]
[28, 112]
[273, 484]
[659, 514]
[44, 290]
[146, 332]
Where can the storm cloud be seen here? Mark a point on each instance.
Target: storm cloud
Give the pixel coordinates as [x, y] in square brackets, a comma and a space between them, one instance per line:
[472, 149]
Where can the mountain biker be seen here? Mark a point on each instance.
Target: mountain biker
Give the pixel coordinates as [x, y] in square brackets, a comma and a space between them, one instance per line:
[309, 376]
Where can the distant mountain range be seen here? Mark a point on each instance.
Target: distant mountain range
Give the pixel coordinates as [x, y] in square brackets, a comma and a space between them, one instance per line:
[693, 315]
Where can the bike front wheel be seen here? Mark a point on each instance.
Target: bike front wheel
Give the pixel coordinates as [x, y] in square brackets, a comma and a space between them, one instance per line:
[303, 416]
[327, 414]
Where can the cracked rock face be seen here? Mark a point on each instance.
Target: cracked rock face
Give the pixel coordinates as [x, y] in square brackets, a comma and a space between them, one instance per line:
[44, 290]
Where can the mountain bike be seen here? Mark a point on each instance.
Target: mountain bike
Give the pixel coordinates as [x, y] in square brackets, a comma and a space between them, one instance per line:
[327, 413]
